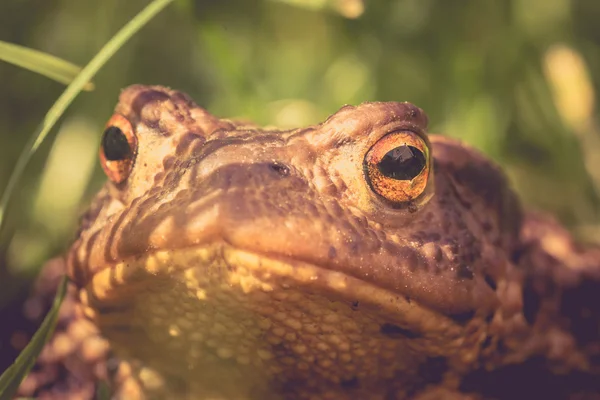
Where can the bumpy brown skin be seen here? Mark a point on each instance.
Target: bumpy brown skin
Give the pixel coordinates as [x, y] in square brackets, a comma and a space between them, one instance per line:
[244, 263]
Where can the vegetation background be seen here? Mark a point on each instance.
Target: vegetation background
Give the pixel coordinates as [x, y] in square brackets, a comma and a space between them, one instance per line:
[517, 79]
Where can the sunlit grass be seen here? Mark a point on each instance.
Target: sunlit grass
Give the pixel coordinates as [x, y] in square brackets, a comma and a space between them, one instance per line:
[44, 64]
[59, 193]
[575, 101]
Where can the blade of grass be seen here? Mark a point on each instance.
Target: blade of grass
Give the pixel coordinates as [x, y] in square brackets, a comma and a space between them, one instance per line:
[12, 377]
[65, 99]
[43, 63]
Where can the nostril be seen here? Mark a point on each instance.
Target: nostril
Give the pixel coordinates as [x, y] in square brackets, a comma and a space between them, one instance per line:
[279, 168]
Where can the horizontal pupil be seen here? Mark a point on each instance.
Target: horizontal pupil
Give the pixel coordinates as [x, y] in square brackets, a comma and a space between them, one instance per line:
[402, 163]
[115, 144]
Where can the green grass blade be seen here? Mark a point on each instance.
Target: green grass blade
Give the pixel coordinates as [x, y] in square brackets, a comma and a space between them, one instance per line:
[12, 377]
[65, 99]
[43, 63]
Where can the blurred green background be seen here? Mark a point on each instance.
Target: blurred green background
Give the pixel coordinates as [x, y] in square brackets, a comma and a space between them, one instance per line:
[515, 78]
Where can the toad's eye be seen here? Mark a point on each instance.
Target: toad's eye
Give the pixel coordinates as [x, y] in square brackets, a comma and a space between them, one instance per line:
[118, 149]
[398, 166]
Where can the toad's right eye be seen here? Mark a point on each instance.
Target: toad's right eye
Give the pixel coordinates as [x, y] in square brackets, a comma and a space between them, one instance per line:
[398, 167]
[118, 149]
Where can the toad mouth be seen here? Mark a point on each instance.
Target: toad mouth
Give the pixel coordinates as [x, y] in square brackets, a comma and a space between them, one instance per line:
[196, 269]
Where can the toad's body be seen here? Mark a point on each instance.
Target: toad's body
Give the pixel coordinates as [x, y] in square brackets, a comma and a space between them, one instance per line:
[225, 261]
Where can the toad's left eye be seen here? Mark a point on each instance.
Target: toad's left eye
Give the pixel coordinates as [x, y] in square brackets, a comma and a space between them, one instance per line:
[397, 167]
[118, 149]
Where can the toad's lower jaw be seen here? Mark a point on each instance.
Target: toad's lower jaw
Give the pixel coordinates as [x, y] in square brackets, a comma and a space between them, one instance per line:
[205, 317]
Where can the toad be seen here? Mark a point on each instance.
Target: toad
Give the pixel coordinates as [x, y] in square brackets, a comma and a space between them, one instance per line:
[360, 258]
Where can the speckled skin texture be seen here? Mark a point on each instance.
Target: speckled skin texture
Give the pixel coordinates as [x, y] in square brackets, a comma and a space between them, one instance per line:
[243, 263]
